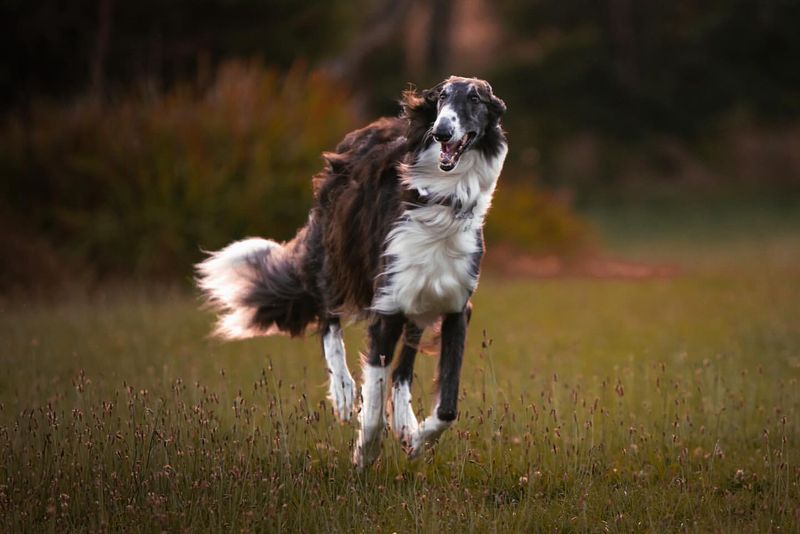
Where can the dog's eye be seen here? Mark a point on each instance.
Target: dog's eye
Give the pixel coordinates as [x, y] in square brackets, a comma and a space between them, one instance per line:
[442, 96]
[475, 99]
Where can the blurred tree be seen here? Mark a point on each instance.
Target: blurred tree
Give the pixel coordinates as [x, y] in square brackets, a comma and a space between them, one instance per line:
[594, 88]
[440, 33]
[620, 67]
[58, 48]
[105, 14]
[627, 68]
[381, 28]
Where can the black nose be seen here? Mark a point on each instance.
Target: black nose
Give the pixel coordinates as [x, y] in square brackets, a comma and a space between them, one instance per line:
[443, 130]
[442, 135]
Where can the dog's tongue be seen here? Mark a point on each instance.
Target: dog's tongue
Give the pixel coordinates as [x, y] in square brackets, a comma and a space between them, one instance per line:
[448, 155]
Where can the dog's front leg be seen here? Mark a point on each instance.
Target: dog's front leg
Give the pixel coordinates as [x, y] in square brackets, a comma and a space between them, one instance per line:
[341, 386]
[384, 333]
[403, 421]
[454, 331]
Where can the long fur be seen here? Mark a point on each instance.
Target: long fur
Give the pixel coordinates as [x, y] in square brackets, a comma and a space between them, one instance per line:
[396, 235]
[371, 243]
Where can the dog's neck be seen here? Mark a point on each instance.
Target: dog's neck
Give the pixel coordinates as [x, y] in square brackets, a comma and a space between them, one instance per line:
[466, 188]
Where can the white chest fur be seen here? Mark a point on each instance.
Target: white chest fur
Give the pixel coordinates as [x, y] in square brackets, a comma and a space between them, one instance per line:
[430, 251]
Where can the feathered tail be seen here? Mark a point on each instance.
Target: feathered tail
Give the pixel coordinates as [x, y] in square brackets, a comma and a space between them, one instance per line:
[255, 286]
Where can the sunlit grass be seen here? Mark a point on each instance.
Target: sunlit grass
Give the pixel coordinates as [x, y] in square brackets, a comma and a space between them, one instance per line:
[586, 405]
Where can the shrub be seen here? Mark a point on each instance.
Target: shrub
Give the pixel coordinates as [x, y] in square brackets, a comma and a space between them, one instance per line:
[137, 186]
[533, 220]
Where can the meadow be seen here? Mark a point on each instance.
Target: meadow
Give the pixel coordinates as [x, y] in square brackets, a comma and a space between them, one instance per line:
[664, 404]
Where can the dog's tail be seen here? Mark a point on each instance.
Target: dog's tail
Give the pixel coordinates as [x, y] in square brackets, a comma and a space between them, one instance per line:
[255, 286]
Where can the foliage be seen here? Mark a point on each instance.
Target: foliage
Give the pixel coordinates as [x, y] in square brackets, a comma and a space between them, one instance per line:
[137, 186]
[632, 68]
[640, 78]
[660, 405]
[52, 46]
[534, 220]
[653, 85]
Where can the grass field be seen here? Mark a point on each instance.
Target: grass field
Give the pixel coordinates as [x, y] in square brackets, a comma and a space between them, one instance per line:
[588, 405]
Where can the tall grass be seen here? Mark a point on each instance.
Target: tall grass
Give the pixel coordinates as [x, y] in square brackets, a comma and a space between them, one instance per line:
[585, 406]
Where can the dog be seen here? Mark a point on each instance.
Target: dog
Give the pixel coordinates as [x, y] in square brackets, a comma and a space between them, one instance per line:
[395, 237]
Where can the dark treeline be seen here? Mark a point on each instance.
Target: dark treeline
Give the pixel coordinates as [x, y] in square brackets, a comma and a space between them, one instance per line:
[603, 78]
[633, 66]
[135, 131]
[621, 66]
[60, 48]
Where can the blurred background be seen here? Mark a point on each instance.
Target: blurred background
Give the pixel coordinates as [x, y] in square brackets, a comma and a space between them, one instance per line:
[135, 133]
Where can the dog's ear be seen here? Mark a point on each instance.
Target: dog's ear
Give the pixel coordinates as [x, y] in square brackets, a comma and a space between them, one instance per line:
[420, 112]
[496, 105]
[419, 109]
[432, 95]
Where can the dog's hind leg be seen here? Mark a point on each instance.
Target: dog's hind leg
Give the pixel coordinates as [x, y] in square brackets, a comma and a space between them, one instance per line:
[403, 421]
[341, 386]
[454, 330]
[384, 333]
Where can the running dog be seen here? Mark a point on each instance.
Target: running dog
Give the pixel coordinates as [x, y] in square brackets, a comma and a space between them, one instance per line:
[395, 237]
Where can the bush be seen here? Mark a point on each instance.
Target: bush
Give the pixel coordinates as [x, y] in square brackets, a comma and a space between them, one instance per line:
[533, 220]
[137, 186]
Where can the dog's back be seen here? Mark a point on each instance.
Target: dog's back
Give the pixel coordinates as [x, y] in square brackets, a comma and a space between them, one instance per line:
[358, 199]
[261, 287]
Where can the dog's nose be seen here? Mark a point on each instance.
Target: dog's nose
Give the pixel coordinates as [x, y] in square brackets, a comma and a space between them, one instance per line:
[443, 131]
[442, 135]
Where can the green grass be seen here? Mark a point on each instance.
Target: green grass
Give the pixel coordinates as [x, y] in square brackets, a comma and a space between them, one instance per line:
[590, 405]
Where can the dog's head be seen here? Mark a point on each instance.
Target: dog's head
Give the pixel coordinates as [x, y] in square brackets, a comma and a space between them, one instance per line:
[460, 114]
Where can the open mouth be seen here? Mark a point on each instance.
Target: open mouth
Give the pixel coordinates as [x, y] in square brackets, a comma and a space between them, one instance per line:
[452, 151]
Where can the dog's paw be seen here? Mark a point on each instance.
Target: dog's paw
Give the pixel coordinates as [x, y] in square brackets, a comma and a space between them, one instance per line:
[341, 393]
[426, 435]
[368, 447]
[403, 421]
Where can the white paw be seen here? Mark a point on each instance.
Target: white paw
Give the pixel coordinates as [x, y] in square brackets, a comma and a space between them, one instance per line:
[341, 393]
[403, 421]
[341, 386]
[427, 434]
[371, 417]
[368, 446]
